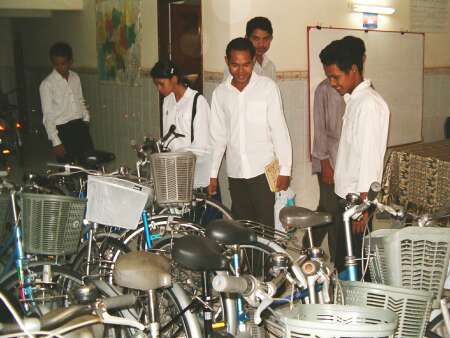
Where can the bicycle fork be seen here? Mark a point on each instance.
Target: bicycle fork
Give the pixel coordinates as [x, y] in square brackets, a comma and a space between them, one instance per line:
[241, 315]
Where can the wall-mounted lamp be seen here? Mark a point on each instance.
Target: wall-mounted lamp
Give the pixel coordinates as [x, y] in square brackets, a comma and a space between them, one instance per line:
[373, 9]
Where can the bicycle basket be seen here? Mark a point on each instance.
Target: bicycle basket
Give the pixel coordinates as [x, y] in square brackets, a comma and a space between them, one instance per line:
[331, 320]
[173, 175]
[414, 258]
[51, 224]
[116, 202]
[5, 214]
[375, 251]
[412, 307]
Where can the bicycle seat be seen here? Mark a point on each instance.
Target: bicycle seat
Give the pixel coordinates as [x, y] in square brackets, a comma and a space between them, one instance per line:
[142, 270]
[198, 254]
[229, 232]
[97, 158]
[302, 218]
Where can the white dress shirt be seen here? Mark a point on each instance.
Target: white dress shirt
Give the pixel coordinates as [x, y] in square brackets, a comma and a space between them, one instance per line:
[363, 141]
[62, 101]
[180, 114]
[251, 126]
[267, 68]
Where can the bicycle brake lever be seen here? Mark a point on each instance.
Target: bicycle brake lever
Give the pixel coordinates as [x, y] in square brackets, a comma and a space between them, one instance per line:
[114, 320]
[265, 303]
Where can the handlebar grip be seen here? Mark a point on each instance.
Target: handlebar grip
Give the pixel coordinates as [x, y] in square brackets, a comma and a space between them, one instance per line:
[232, 284]
[170, 132]
[375, 188]
[118, 302]
[56, 165]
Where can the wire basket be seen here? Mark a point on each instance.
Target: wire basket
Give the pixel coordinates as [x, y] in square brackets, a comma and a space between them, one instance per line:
[413, 307]
[173, 175]
[5, 214]
[51, 224]
[331, 320]
[413, 257]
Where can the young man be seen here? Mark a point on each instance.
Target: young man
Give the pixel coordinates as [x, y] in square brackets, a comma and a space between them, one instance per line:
[260, 32]
[364, 131]
[66, 117]
[329, 107]
[247, 120]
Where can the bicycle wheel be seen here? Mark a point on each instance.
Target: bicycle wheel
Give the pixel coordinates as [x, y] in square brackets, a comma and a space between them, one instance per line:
[436, 328]
[202, 210]
[50, 287]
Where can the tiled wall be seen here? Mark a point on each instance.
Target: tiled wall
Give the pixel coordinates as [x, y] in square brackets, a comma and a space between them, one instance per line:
[122, 113]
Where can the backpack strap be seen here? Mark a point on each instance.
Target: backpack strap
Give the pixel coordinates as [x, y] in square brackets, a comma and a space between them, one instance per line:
[194, 112]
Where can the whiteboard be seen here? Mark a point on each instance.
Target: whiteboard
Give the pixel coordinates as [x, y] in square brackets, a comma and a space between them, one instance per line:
[394, 64]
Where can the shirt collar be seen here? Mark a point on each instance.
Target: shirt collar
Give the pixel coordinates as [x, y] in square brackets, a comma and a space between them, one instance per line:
[58, 76]
[187, 94]
[359, 88]
[253, 79]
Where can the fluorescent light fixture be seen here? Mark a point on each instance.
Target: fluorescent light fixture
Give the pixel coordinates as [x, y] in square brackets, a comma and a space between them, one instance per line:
[373, 9]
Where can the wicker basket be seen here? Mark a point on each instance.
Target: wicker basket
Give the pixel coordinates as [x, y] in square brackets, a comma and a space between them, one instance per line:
[173, 175]
[413, 307]
[413, 257]
[317, 321]
[51, 223]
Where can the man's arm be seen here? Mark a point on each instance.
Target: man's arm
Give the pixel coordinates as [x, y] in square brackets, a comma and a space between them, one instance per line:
[218, 135]
[48, 114]
[280, 136]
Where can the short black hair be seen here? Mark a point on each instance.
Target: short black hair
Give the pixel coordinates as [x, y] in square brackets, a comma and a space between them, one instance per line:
[258, 22]
[61, 49]
[344, 53]
[166, 69]
[241, 44]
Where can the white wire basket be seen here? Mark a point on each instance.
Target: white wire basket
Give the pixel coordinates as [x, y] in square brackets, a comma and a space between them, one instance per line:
[331, 320]
[413, 257]
[413, 307]
[173, 176]
[116, 202]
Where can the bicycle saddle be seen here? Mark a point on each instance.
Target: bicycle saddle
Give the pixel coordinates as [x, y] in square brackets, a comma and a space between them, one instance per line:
[229, 232]
[302, 218]
[198, 254]
[142, 270]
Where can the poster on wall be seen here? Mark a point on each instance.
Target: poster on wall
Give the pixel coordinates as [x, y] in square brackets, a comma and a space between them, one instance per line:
[119, 40]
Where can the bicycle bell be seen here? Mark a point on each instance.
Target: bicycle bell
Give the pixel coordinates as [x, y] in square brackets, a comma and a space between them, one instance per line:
[86, 293]
[279, 261]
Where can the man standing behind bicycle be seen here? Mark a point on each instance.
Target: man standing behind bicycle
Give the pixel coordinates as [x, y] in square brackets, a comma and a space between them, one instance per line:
[364, 133]
[247, 121]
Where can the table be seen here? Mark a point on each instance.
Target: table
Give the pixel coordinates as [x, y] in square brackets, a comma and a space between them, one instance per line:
[417, 176]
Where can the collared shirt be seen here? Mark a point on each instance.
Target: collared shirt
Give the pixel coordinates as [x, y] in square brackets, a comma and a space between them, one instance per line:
[329, 107]
[180, 114]
[267, 68]
[363, 141]
[62, 101]
[251, 126]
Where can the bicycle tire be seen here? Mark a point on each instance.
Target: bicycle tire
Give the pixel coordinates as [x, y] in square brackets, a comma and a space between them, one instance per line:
[62, 282]
[433, 325]
[200, 211]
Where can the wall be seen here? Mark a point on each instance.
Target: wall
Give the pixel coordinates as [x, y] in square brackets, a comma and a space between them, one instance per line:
[119, 113]
[7, 73]
[290, 19]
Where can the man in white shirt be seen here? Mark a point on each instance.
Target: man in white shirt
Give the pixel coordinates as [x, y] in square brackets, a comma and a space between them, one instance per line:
[247, 121]
[65, 115]
[260, 32]
[364, 131]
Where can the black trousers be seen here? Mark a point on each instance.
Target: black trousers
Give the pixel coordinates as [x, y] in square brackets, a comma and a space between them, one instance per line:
[328, 202]
[77, 141]
[252, 199]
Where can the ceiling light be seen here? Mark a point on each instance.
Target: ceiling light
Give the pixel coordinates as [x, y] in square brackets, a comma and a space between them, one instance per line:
[373, 9]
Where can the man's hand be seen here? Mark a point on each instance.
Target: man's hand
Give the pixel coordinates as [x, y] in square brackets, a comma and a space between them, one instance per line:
[282, 182]
[327, 174]
[212, 187]
[359, 225]
[59, 151]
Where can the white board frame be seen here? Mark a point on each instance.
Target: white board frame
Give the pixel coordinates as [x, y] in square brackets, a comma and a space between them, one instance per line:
[404, 128]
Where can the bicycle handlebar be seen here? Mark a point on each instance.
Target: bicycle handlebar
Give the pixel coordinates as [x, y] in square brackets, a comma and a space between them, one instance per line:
[243, 284]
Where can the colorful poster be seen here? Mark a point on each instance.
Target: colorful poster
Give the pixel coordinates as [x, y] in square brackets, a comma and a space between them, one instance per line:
[118, 40]
[370, 20]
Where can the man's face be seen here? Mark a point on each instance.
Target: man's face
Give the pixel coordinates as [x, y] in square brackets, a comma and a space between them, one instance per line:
[240, 66]
[62, 65]
[341, 81]
[261, 40]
